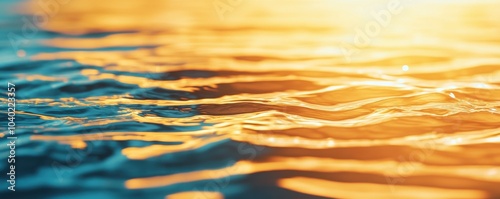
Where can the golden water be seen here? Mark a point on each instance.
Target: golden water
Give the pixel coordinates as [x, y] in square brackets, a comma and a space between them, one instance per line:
[276, 105]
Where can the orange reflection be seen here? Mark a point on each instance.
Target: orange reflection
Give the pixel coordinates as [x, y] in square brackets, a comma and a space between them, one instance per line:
[141, 153]
[330, 189]
[42, 77]
[325, 166]
[198, 194]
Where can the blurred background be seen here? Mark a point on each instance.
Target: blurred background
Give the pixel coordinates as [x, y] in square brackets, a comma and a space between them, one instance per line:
[215, 99]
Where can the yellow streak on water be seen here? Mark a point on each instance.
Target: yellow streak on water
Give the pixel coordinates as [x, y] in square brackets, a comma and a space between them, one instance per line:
[42, 77]
[312, 164]
[196, 194]
[323, 188]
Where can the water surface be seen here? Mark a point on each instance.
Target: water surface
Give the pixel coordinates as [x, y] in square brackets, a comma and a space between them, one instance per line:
[254, 99]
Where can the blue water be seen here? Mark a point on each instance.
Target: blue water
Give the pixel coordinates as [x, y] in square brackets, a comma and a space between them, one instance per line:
[48, 169]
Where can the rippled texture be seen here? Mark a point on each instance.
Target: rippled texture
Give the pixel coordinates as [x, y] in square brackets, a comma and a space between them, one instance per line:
[172, 99]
